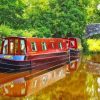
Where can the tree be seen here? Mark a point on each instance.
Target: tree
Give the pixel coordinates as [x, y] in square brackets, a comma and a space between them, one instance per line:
[56, 17]
[47, 18]
[11, 12]
[92, 13]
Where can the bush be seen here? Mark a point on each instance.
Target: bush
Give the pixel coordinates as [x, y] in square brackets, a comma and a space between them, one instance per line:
[85, 46]
[94, 45]
[6, 31]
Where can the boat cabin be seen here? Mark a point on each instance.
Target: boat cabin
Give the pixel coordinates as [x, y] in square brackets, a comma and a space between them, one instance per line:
[74, 43]
[24, 46]
[21, 54]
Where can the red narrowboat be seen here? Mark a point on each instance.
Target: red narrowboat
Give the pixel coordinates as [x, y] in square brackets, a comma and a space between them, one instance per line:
[20, 54]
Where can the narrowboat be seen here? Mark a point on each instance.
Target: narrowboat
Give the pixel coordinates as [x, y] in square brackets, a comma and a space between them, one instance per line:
[21, 54]
[30, 64]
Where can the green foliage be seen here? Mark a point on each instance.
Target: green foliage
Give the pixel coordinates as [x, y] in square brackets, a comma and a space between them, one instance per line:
[92, 13]
[11, 13]
[85, 45]
[45, 18]
[7, 31]
[96, 36]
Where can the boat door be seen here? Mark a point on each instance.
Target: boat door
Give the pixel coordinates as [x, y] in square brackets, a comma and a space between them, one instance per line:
[72, 43]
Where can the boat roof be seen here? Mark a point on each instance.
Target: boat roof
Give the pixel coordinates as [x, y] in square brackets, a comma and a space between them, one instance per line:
[13, 37]
[32, 37]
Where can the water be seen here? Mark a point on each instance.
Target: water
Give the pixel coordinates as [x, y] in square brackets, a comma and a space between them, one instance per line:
[83, 84]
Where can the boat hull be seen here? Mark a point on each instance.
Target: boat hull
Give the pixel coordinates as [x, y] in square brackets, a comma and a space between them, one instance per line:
[36, 63]
[74, 54]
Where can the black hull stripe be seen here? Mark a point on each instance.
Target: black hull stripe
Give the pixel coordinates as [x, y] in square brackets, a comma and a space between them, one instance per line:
[33, 67]
[32, 63]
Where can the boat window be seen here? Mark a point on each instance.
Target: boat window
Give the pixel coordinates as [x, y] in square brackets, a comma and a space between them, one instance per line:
[67, 44]
[60, 45]
[33, 46]
[23, 49]
[5, 47]
[16, 46]
[52, 45]
[44, 46]
[11, 43]
[72, 43]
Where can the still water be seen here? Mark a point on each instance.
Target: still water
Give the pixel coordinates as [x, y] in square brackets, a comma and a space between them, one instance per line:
[83, 84]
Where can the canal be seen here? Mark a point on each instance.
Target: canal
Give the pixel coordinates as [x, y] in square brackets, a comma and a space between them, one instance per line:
[82, 84]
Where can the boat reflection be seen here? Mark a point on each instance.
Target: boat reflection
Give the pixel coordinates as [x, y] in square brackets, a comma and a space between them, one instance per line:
[33, 83]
